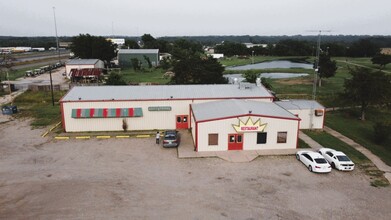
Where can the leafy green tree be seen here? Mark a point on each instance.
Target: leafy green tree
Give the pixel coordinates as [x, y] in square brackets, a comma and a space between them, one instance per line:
[148, 61]
[292, 48]
[251, 76]
[131, 44]
[381, 59]
[362, 48]
[93, 47]
[366, 87]
[231, 48]
[136, 64]
[327, 68]
[165, 63]
[115, 79]
[197, 70]
[184, 49]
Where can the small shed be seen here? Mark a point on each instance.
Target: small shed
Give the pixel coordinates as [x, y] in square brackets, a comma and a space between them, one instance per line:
[126, 55]
[83, 64]
[310, 112]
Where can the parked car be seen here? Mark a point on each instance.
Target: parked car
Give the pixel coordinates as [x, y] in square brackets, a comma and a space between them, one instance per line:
[314, 161]
[337, 159]
[171, 138]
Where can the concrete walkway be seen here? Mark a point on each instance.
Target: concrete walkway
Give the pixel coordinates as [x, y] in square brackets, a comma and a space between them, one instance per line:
[375, 159]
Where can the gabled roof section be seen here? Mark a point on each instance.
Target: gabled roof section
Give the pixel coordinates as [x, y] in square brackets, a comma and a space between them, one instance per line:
[165, 92]
[82, 62]
[235, 107]
[299, 104]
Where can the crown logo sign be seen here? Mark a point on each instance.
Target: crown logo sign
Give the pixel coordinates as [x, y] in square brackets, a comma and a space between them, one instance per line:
[249, 126]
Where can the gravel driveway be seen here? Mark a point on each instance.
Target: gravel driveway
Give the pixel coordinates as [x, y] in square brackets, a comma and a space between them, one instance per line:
[136, 179]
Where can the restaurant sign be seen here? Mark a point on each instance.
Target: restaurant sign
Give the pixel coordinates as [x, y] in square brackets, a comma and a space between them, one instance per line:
[249, 126]
[159, 108]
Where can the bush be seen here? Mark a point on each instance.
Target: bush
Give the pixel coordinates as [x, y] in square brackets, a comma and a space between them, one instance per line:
[381, 132]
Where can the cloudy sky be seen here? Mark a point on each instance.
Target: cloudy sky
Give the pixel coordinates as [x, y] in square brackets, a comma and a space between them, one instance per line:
[196, 17]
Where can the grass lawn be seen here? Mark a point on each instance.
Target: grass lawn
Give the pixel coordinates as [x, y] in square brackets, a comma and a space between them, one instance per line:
[154, 76]
[15, 74]
[234, 61]
[361, 61]
[303, 144]
[38, 105]
[347, 123]
[329, 141]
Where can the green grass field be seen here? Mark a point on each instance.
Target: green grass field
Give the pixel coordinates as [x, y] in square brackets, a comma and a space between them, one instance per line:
[347, 123]
[38, 105]
[154, 76]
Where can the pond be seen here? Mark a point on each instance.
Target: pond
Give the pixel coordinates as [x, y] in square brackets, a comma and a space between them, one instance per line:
[284, 64]
[235, 78]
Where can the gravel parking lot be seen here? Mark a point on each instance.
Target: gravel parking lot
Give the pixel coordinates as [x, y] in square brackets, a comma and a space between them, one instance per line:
[41, 178]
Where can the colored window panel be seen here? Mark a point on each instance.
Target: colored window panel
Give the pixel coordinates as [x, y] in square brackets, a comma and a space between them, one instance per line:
[92, 112]
[74, 113]
[131, 112]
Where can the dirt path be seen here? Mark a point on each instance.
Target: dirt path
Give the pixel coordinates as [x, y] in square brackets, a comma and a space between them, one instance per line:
[136, 179]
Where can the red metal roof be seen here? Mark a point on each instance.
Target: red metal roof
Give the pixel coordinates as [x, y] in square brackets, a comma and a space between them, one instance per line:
[85, 72]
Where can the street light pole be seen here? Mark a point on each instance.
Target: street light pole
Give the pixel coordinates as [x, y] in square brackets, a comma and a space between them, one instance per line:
[252, 53]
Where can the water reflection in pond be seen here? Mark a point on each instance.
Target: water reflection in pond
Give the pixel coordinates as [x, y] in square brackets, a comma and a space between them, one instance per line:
[236, 78]
[272, 65]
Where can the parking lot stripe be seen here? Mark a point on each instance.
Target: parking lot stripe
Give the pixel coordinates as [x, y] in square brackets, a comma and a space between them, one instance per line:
[122, 136]
[61, 138]
[103, 137]
[143, 136]
[83, 137]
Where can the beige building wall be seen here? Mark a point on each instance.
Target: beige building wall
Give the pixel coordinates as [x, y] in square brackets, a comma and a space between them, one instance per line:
[149, 121]
[224, 127]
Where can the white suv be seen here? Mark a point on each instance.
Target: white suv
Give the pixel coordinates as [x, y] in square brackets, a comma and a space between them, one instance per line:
[337, 159]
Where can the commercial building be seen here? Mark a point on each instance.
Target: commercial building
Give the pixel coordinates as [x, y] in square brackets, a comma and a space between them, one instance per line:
[242, 125]
[83, 64]
[221, 117]
[125, 57]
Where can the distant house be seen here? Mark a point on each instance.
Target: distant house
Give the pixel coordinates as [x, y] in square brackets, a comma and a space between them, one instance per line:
[83, 64]
[126, 55]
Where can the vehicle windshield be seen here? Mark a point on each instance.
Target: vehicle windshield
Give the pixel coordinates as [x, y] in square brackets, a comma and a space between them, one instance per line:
[170, 137]
[320, 160]
[343, 158]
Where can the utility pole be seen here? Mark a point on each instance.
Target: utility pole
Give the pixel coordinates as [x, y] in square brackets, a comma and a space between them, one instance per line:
[316, 69]
[59, 59]
[55, 27]
[316, 66]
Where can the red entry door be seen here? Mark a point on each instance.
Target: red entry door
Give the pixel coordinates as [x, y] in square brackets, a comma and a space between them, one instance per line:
[235, 141]
[182, 122]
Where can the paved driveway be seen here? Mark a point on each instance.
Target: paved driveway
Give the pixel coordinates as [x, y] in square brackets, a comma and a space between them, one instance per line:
[136, 179]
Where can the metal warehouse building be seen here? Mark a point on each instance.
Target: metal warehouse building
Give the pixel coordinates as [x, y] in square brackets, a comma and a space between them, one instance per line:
[103, 108]
[220, 117]
[125, 56]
